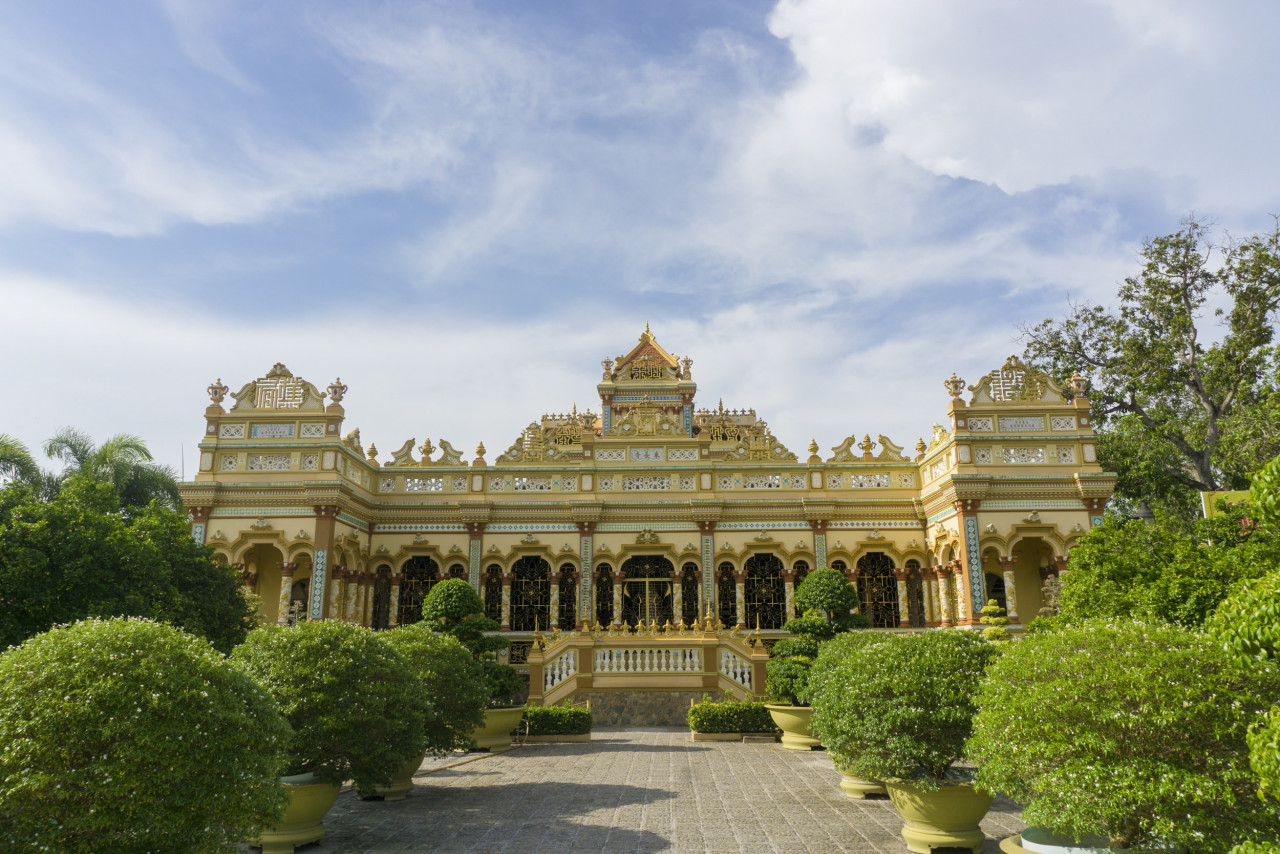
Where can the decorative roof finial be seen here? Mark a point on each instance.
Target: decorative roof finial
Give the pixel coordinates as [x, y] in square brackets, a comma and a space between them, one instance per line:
[646, 329]
[218, 391]
[954, 385]
[336, 390]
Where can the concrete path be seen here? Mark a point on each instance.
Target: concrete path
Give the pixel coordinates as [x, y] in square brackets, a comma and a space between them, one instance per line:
[630, 791]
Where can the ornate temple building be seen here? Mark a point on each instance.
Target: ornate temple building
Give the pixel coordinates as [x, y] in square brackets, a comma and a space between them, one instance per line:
[653, 526]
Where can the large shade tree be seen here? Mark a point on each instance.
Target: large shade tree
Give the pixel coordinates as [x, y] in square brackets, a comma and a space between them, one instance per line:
[1183, 370]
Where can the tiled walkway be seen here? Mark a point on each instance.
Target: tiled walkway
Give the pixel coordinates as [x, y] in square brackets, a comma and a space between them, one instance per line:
[634, 791]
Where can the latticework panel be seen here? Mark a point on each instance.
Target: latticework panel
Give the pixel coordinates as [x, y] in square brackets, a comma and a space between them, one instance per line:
[765, 597]
[878, 590]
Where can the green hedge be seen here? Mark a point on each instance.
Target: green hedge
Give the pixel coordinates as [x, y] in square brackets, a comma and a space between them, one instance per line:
[557, 720]
[730, 716]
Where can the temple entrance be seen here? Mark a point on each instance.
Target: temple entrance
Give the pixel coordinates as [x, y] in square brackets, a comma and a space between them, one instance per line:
[646, 592]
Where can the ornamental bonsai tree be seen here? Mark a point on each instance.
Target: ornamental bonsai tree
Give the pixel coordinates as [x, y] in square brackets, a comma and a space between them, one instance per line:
[826, 599]
[1135, 731]
[454, 608]
[108, 728]
[355, 705]
[902, 709]
[456, 689]
[997, 624]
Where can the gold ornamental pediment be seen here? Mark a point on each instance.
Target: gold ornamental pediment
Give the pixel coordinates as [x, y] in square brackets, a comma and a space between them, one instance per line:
[279, 389]
[1015, 383]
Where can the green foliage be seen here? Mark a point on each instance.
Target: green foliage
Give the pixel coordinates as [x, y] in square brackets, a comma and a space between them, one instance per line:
[16, 462]
[507, 687]
[996, 622]
[558, 720]
[828, 591]
[456, 689]
[729, 715]
[1179, 409]
[355, 705]
[129, 735]
[788, 679]
[851, 622]
[450, 602]
[77, 556]
[901, 709]
[1247, 624]
[833, 653]
[814, 628]
[122, 461]
[1166, 570]
[1264, 495]
[453, 607]
[1133, 729]
[802, 646]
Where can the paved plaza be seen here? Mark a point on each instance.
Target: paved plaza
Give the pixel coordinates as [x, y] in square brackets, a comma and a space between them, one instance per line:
[630, 791]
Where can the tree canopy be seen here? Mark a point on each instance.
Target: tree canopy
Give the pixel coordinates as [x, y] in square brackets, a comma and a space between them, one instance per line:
[76, 555]
[1181, 405]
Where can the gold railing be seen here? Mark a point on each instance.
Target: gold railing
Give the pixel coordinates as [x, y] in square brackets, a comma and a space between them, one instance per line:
[702, 657]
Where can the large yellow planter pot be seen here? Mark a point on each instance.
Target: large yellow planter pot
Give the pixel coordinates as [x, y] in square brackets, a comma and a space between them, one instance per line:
[945, 818]
[855, 788]
[794, 723]
[401, 781]
[304, 819]
[494, 734]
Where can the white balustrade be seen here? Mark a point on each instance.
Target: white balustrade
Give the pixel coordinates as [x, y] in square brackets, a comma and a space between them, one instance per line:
[559, 669]
[648, 660]
[736, 668]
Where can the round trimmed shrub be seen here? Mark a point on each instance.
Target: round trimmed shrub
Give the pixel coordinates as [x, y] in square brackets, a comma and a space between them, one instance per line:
[1133, 730]
[454, 607]
[826, 590]
[904, 708]
[788, 679]
[456, 690]
[833, 653]
[131, 735]
[354, 703]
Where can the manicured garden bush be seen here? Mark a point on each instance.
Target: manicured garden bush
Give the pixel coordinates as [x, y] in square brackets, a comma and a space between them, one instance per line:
[354, 703]
[456, 689]
[728, 715]
[454, 608]
[558, 720]
[902, 709]
[1132, 730]
[130, 735]
[833, 653]
[825, 597]
[827, 592]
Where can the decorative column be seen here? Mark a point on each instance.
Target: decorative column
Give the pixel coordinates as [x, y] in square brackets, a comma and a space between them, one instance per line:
[553, 580]
[506, 601]
[740, 594]
[349, 596]
[326, 517]
[904, 618]
[586, 548]
[1010, 591]
[819, 527]
[969, 562]
[475, 530]
[337, 590]
[199, 522]
[707, 529]
[617, 577]
[945, 616]
[366, 598]
[677, 595]
[286, 587]
[789, 587]
[929, 587]
[393, 608]
[963, 604]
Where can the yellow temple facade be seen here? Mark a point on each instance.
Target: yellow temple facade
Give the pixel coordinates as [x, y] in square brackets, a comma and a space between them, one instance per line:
[652, 511]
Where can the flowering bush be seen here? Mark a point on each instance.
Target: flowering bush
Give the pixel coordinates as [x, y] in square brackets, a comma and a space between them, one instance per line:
[130, 735]
[355, 705]
[456, 690]
[1129, 729]
[901, 709]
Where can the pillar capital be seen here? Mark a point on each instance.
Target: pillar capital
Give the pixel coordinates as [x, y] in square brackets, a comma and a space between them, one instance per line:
[199, 514]
[326, 511]
[286, 569]
[1007, 563]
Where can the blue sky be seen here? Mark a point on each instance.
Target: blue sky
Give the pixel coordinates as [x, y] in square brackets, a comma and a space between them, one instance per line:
[461, 208]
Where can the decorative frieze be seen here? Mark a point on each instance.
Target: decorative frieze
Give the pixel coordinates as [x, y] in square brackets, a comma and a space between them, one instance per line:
[646, 455]
[646, 482]
[606, 483]
[1062, 422]
[907, 481]
[683, 455]
[459, 484]
[388, 484]
[569, 483]
[271, 431]
[1066, 454]
[835, 480]
[979, 425]
[1021, 423]
[424, 484]
[310, 462]
[982, 456]
[869, 481]
[724, 481]
[230, 462]
[313, 431]
[611, 455]
[531, 484]
[496, 483]
[1024, 455]
[762, 481]
[687, 481]
[231, 431]
[269, 462]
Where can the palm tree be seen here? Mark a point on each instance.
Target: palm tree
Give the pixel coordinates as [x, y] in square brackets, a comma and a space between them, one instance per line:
[122, 461]
[16, 462]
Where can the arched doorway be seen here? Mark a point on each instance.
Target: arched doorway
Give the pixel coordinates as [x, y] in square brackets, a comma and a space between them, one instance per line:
[646, 592]
[530, 595]
[568, 592]
[878, 590]
[265, 560]
[381, 598]
[764, 595]
[726, 595]
[690, 602]
[995, 590]
[493, 593]
[419, 574]
[604, 594]
[915, 595]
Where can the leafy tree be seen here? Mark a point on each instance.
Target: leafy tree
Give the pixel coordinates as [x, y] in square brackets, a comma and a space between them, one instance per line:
[76, 556]
[355, 705]
[1178, 409]
[130, 736]
[122, 461]
[1167, 570]
[16, 462]
[456, 690]
[1135, 730]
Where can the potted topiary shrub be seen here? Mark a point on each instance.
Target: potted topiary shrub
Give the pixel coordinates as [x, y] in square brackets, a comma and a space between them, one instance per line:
[901, 712]
[826, 599]
[1125, 734]
[822, 680]
[356, 708]
[131, 735]
[456, 693]
[454, 608]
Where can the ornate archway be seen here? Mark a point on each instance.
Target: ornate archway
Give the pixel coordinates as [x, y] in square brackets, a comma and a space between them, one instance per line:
[878, 590]
[764, 596]
[419, 574]
[530, 594]
[646, 590]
